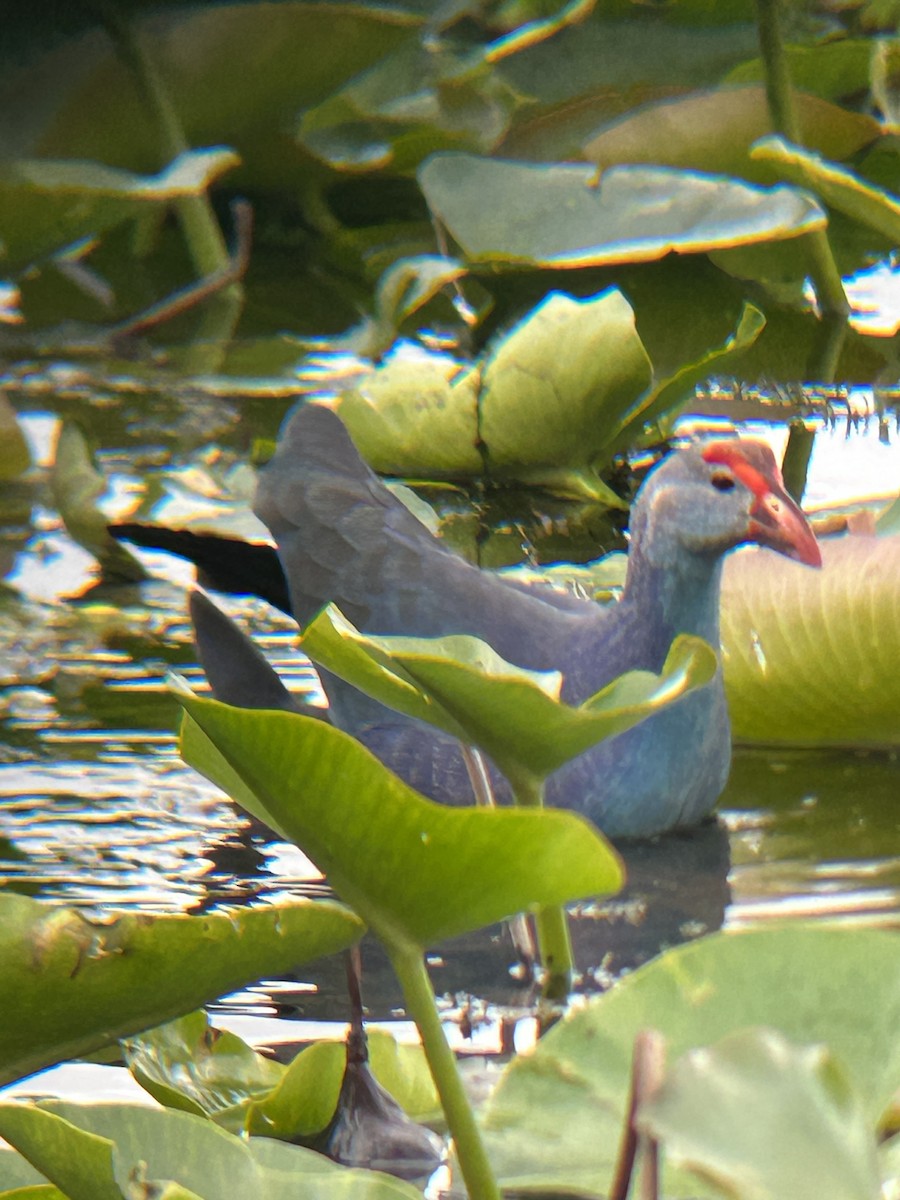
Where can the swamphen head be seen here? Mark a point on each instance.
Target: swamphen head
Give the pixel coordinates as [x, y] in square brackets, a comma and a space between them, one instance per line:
[714, 496]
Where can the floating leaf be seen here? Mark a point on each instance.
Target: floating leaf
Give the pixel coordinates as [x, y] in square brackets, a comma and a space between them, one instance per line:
[549, 404]
[416, 871]
[558, 382]
[421, 98]
[833, 69]
[47, 205]
[230, 75]
[666, 397]
[556, 1116]
[585, 76]
[562, 215]
[764, 1119]
[713, 130]
[837, 186]
[77, 488]
[415, 414]
[809, 657]
[70, 985]
[189, 1065]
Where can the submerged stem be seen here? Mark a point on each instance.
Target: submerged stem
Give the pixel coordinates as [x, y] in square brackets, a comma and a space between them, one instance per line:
[552, 924]
[420, 1003]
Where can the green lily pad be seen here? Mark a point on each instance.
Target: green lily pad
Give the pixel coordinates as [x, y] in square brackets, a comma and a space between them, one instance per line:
[556, 1117]
[99, 1152]
[527, 412]
[588, 75]
[71, 986]
[416, 871]
[764, 1118]
[46, 1191]
[461, 685]
[190, 1066]
[809, 657]
[668, 396]
[832, 69]
[234, 74]
[46, 205]
[836, 186]
[410, 283]
[416, 415]
[563, 215]
[549, 404]
[78, 486]
[713, 130]
[414, 101]
[579, 360]
[305, 1098]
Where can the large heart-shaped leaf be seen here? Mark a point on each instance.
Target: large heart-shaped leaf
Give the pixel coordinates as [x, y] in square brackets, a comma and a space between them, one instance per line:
[416, 871]
[562, 215]
[556, 1117]
[461, 685]
[70, 985]
[538, 408]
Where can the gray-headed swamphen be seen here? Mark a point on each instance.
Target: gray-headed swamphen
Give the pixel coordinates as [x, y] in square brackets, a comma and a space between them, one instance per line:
[343, 537]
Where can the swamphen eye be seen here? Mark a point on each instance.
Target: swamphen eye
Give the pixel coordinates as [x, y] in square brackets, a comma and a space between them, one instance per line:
[722, 481]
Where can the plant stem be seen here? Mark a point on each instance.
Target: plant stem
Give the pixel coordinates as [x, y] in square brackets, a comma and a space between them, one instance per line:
[202, 233]
[555, 948]
[552, 924]
[798, 452]
[779, 93]
[422, 1007]
[823, 270]
[826, 276]
[647, 1070]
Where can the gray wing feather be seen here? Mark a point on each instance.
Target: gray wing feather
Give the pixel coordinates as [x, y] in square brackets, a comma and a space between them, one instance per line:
[343, 537]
